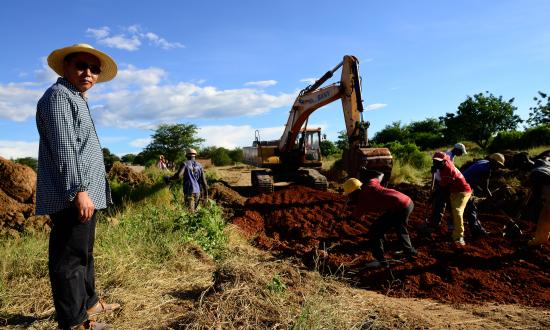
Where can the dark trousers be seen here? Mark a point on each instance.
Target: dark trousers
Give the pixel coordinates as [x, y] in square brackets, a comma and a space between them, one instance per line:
[71, 266]
[397, 220]
[470, 214]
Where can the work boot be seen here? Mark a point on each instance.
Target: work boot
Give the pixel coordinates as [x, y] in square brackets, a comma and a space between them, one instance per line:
[460, 243]
[101, 307]
[90, 325]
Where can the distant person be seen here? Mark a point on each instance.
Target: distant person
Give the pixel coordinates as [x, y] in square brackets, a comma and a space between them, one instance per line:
[193, 180]
[439, 203]
[453, 186]
[540, 193]
[478, 176]
[161, 163]
[395, 207]
[71, 182]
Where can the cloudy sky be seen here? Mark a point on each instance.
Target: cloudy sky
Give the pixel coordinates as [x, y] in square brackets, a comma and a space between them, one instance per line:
[235, 67]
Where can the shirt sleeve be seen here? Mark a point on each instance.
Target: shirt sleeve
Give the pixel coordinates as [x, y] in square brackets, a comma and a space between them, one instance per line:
[61, 123]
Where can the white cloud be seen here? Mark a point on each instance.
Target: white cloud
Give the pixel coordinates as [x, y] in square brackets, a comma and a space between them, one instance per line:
[134, 76]
[99, 33]
[130, 39]
[376, 106]
[231, 136]
[140, 143]
[18, 149]
[261, 83]
[309, 80]
[121, 42]
[151, 105]
[18, 102]
[45, 73]
[161, 42]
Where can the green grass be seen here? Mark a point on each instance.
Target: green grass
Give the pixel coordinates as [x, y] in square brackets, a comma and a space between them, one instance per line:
[134, 239]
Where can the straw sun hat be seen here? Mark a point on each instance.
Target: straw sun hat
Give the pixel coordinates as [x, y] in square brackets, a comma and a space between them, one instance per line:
[108, 65]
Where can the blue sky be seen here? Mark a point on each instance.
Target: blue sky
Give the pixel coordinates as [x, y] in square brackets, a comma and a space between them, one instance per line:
[231, 67]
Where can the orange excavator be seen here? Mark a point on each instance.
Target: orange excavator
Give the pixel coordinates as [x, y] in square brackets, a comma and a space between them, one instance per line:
[296, 156]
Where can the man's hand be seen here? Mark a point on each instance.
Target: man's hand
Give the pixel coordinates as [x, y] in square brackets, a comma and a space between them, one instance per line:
[85, 206]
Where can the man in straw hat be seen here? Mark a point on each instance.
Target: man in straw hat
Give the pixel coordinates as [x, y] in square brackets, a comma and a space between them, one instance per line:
[71, 182]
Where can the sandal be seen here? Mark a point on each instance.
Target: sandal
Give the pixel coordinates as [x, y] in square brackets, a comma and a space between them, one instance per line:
[101, 307]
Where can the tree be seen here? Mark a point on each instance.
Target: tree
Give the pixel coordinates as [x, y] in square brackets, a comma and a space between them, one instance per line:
[342, 142]
[328, 148]
[390, 133]
[427, 133]
[220, 157]
[480, 117]
[28, 161]
[171, 141]
[541, 113]
[128, 158]
[236, 155]
[109, 159]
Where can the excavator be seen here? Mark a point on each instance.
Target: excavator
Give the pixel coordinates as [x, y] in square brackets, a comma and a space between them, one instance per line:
[296, 156]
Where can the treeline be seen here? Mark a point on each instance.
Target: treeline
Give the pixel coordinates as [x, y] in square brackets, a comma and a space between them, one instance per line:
[489, 121]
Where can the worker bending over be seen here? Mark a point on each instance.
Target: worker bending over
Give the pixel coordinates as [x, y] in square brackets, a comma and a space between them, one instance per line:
[540, 193]
[478, 176]
[454, 185]
[395, 206]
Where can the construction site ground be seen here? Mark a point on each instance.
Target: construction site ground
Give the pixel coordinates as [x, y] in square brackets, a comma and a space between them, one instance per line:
[315, 228]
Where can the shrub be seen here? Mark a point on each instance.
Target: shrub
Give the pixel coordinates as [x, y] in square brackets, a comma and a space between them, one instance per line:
[506, 140]
[408, 154]
[535, 137]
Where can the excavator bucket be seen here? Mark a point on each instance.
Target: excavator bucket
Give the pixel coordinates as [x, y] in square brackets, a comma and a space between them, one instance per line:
[378, 159]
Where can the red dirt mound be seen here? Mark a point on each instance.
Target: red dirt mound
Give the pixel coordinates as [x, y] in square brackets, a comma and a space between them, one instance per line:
[17, 196]
[316, 227]
[126, 174]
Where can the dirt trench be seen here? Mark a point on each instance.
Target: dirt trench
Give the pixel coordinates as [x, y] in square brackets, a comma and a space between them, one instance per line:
[317, 228]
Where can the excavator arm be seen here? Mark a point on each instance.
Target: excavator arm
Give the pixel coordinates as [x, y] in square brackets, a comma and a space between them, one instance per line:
[348, 90]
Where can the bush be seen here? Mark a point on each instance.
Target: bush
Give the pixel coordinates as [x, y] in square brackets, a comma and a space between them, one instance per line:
[535, 137]
[220, 157]
[506, 140]
[409, 154]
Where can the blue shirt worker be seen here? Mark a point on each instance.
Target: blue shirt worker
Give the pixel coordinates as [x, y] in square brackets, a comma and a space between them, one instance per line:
[71, 182]
[478, 176]
[193, 180]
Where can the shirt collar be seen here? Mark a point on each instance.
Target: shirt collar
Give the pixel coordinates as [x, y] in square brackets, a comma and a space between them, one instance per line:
[64, 82]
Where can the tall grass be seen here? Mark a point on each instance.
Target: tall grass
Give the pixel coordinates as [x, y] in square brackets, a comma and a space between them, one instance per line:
[149, 233]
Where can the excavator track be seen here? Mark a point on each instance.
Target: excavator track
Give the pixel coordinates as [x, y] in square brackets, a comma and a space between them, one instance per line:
[262, 182]
[312, 178]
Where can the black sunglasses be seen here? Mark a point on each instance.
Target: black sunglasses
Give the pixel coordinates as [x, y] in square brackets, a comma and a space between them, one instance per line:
[83, 66]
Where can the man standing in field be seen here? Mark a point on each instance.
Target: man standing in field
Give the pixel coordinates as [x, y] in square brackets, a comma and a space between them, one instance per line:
[193, 180]
[71, 183]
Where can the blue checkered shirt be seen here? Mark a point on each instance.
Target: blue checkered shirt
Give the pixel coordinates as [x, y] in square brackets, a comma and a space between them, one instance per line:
[70, 158]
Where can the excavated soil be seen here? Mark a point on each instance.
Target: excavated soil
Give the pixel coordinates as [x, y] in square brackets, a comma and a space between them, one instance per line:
[316, 227]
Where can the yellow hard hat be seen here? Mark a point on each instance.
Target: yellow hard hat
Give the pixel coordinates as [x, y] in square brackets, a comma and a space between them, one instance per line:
[351, 185]
[190, 151]
[497, 157]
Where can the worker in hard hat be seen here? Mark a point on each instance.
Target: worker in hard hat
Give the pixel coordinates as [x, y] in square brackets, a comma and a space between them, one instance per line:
[395, 207]
[540, 193]
[455, 188]
[439, 201]
[193, 180]
[478, 176]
